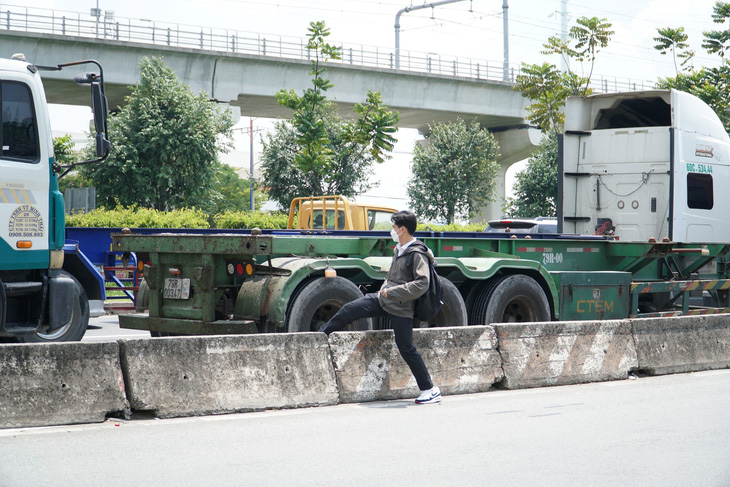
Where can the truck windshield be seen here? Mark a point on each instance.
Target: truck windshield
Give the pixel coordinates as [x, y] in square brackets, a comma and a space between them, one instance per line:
[20, 130]
[317, 221]
[379, 220]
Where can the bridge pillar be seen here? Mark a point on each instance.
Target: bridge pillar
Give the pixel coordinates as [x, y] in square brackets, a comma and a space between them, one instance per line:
[516, 143]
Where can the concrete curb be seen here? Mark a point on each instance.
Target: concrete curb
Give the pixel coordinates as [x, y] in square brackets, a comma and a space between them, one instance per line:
[369, 367]
[682, 344]
[66, 383]
[59, 383]
[561, 353]
[190, 376]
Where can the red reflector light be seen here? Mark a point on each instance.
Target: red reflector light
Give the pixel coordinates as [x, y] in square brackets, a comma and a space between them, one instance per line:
[239, 269]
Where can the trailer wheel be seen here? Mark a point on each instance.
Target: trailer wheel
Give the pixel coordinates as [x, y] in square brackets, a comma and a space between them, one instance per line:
[319, 300]
[72, 331]
[452, 313]
[142, 302]
[511, 299]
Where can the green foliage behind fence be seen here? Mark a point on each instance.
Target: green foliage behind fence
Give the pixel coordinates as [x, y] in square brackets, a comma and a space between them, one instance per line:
[192, 218]
[246, 219]
[186, 218]
[453, 227]
[139, 218]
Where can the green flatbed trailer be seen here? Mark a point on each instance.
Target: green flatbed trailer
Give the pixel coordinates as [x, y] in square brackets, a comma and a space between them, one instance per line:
[633, 165]
[218, 284]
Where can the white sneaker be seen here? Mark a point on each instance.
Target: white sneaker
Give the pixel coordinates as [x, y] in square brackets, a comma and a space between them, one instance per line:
[429, 396]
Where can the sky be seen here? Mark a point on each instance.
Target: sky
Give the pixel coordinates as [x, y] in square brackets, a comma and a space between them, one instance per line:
[469, 29]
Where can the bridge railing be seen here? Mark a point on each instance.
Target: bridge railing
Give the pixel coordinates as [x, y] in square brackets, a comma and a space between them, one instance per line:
[76, 24]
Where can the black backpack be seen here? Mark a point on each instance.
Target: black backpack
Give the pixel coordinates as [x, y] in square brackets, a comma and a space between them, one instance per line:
[430, 302]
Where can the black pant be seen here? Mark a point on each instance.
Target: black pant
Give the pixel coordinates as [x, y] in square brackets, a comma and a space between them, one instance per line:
[368, 307]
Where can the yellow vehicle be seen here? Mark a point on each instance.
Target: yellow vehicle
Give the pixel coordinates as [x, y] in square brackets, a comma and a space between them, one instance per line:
[318, 213]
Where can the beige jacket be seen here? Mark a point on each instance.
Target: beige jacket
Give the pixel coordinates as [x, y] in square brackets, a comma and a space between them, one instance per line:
[403, 284]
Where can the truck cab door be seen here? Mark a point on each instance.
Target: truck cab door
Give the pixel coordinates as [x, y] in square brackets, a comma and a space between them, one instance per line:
[701, 166]
[24, 173]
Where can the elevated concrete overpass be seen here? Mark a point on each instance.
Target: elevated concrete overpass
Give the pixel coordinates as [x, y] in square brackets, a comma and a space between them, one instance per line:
[250, 82]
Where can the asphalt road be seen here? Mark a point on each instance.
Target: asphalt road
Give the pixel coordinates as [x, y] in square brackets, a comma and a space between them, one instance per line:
[105, 328]
[659, 431]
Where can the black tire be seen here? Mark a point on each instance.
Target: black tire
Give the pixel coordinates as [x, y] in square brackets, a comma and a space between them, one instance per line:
[511, 299]
[72, 331]
[319, 300]
[453, 312]
[143, 297]
[142, 303]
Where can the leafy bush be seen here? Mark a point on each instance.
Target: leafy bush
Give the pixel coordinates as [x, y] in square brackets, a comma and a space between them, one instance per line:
[453, 227]
[134, 217]
[246, 219]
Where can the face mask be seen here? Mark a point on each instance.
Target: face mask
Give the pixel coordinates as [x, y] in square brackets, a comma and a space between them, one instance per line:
[394, 235]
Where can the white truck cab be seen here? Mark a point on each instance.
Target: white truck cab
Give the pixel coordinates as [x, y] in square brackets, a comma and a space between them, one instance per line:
[644, 164]
[26, 155]
[43, 295]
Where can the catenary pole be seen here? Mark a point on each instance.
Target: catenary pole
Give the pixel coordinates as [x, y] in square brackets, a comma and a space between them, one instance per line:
[411, 9]
[505, 32]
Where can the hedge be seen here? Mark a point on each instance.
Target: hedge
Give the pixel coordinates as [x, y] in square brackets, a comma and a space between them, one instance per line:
[245, 219]
[184, 218]
[192, 218]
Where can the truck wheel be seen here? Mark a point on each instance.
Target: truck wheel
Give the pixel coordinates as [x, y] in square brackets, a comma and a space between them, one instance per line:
[143, 297]
[319, 300]
[72, 331]
[516, 298]
[453, 312]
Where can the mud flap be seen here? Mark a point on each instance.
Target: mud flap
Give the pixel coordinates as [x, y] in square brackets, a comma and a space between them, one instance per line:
[62, 295]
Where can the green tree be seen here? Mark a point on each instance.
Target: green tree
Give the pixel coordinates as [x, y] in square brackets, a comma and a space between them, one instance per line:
[536, 187]
[63, 149]
[64, 153]
[314, 151]
[547, 87]
[590, 35]
[717, 41]
[453, 175]
[318, 152]
[348, 173]
[166, 145]
[673, 40]
[232, 193]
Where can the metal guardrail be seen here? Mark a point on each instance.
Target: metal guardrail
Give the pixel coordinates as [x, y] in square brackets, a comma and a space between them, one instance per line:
[144, 31]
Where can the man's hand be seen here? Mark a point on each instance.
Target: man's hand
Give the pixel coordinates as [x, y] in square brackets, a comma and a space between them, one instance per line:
[384, 292]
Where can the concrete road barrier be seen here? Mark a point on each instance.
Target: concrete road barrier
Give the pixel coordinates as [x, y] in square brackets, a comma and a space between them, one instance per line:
[67, 383]
[59, 383]
[560, 353]
[682, 344]
[369, 367]
[190, 376]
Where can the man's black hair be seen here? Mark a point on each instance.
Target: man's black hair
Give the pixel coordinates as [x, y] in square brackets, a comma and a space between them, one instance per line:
[405, 219]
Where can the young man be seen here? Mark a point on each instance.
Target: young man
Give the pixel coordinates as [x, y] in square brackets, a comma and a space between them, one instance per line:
[407, 279]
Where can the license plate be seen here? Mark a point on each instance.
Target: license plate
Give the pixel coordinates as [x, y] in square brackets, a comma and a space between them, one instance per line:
[176, 289]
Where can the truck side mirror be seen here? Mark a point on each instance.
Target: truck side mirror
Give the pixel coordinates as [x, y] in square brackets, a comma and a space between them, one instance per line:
[100, 109]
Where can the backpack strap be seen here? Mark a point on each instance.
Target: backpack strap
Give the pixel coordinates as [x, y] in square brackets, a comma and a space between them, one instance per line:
[409, 261]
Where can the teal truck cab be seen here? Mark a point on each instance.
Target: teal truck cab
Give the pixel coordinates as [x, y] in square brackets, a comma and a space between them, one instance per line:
[45, 286]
